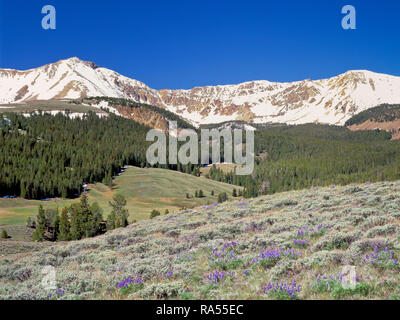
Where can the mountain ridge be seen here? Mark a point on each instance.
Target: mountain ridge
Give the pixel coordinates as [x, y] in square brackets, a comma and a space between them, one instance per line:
[331, 100]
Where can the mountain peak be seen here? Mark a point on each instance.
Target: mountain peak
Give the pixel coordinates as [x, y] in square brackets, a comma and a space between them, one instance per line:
[366, 73]
[76, 60]
[73, 59]
[332, 100]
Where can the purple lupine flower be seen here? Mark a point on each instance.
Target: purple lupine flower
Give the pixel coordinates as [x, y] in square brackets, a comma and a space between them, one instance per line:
[283, 287]
[216, 276]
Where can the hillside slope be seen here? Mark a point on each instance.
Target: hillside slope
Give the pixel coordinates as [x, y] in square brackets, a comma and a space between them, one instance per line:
[383, 117]
[332, 100]
[144, 189]
[213, 252]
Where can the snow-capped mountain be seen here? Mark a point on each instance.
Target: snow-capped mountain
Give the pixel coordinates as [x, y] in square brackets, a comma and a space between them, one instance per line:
[331, 100]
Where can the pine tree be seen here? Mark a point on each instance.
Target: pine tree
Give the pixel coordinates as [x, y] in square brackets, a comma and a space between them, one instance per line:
[111, 221]
[76, 223]
[201, 194]
[87, 217]
[119, 213]
[108, 179]
[234, 194]
[30, 223]
[38, 235]
[52, 223]
[64, 228]
[97, 216]
[4, 234]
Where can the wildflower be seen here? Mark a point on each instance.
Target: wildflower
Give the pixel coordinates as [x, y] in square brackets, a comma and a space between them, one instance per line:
[282, 287]
[169, 274]
[216, 276]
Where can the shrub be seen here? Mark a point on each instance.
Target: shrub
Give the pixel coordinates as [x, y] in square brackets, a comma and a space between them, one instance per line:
[154, 213]
[285, 203]
[353, 190]
[163, 290]
[361, 289]
[222, 197]
[4, 234]
[381, 231]
[187, 296]
[333, 285]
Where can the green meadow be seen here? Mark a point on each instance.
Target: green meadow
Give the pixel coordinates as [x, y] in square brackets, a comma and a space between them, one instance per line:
[144, 189]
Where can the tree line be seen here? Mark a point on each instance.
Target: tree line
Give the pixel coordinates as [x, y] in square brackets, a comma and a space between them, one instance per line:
[302, 156]
[51, 156]
[48, 156]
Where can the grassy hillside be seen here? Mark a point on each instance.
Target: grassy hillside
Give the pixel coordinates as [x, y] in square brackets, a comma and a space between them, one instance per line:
[233, 251]
[144, 189]
[148, 189]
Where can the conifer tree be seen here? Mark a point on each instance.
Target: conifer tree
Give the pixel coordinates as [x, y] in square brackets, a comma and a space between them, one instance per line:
[86, 217]
[119, 213]
[38, 235]
[111, 221]
[4, 234]
[97, 216]
[64, 229]
[76, 222]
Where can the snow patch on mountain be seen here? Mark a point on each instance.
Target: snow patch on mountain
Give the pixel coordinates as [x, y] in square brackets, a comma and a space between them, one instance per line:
[332, 100]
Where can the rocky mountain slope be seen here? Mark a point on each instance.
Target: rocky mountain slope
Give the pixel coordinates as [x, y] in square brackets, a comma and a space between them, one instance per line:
[383, 117]
[330, 101]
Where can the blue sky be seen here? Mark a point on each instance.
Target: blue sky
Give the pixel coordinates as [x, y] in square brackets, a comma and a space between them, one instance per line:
[182, 44]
